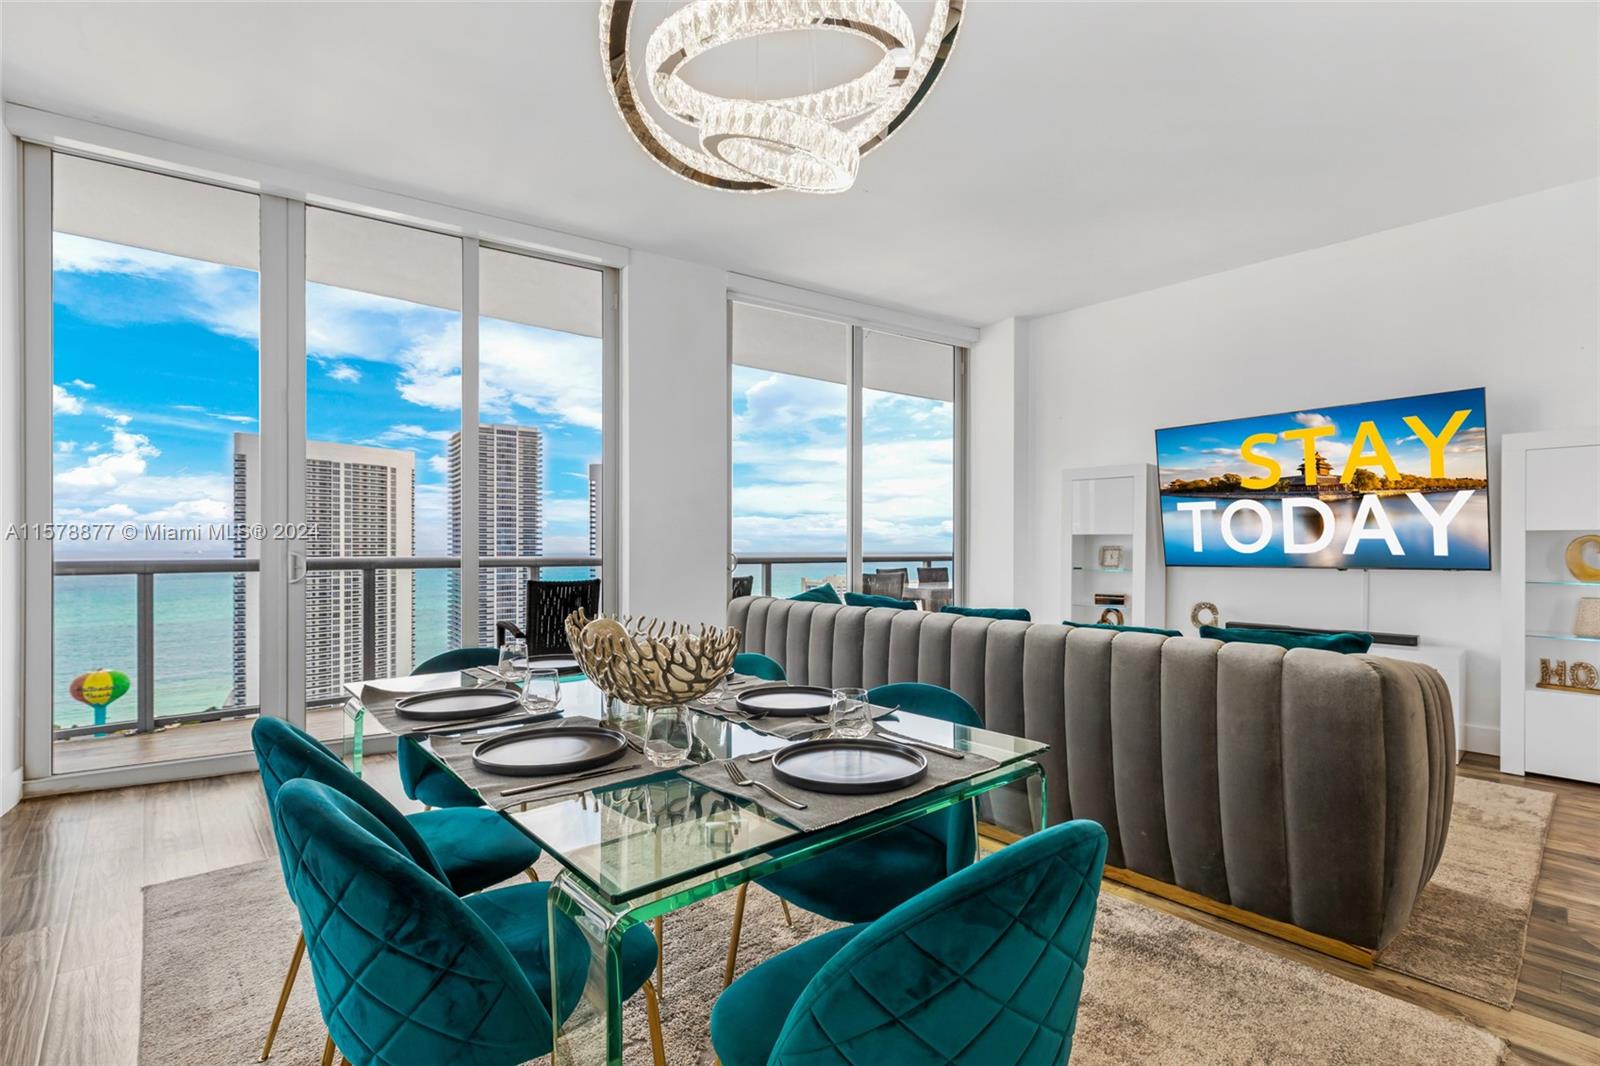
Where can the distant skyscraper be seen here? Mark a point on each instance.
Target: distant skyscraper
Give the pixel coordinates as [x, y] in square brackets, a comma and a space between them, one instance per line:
[360, 501]
[510, 521]
[594, 508]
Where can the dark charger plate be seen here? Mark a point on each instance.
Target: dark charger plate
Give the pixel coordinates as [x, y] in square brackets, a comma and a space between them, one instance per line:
[458, 704]
[848, 766]
[785, 701]
[544, 750]
[565, 664]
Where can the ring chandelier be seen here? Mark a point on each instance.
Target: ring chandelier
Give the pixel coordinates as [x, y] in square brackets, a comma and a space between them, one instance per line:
[809, 143]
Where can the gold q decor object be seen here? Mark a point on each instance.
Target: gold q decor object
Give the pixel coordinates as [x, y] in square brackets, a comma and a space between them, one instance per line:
[648, 662]
[1200, 610]
[1581, 568]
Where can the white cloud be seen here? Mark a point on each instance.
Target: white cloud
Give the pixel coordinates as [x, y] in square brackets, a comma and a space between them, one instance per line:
[64, 402]
[224, 299]
[1313, 419]
[439, 464]
[82, 384]
[344, 372]
[66, 447]
[126, 461]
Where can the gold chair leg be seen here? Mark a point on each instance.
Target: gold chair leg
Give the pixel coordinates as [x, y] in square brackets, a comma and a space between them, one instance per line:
[533, 875]
[327, 1052]
[283, 996]
[661, 955]
[733, 938]
[652, 1007]
[787, 917]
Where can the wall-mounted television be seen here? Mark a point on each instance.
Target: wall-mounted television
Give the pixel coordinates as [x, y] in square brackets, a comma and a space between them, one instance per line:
[1394, 484]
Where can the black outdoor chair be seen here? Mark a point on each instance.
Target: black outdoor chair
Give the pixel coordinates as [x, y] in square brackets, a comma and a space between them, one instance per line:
[743, 586]
[549, 604]
[885, 583]
[939, 575]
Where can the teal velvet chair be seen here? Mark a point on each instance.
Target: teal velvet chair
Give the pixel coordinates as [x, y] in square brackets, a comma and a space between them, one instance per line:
[985, 967]
[423, 777]
[754, 664]
[866, 878]
[408, 973]
[467, 849]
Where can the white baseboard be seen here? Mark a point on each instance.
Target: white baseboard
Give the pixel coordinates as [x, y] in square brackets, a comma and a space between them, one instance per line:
[1483, 739]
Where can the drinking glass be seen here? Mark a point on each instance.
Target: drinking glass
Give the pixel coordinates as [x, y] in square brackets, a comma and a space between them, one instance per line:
[851, 713]
[667, 736]
[543, 687]
[513, 665]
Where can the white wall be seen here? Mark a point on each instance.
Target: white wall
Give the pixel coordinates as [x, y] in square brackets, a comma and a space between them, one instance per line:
[998, 486]
[1503, 296]
[674, 496]
[11, 486]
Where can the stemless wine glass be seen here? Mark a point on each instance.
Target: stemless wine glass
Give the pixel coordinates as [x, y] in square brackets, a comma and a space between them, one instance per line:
[543, 687]
[667, 736]
[851, 714]
[513, 665]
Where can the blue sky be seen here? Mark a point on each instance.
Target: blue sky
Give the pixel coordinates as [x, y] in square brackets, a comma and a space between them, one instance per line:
[156, 367]
[1211, 449]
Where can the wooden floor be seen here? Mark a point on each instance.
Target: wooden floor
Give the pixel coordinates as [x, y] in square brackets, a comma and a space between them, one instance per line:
[72, 867]
[189, 741]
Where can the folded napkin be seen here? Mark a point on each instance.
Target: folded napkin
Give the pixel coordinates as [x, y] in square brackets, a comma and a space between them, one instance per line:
[824, 809]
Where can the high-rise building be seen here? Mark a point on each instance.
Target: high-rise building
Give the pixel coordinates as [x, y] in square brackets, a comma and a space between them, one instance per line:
[359, 501]
[594, 508]
[510, 522]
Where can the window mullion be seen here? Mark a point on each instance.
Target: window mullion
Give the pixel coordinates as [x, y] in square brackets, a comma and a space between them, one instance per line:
[470, 535]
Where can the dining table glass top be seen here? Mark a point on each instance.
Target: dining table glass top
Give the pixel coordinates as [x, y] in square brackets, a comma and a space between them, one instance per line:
[635, 842]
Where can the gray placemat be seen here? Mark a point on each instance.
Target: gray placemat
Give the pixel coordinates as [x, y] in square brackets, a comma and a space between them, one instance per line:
[824, 809]
[380, 704]
[458, 757]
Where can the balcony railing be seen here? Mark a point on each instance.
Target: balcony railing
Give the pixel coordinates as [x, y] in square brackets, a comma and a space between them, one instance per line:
[767, 560]
[145, 571]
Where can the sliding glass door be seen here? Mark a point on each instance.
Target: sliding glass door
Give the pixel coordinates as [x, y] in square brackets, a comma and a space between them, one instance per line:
[844, 445]
[281, 448]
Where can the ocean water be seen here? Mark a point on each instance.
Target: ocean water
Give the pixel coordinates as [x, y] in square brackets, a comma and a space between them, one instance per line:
[94, 630]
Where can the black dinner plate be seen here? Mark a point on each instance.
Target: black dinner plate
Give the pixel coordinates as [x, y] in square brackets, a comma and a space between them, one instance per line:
[543, 750]
[785, 701]
[458, 704]
[849, 766]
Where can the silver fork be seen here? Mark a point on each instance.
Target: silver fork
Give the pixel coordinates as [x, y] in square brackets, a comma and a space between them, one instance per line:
[737, 776]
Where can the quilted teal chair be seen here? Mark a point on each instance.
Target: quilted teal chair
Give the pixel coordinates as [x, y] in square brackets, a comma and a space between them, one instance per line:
[985, 967]
[407, 973]
[423, 777]
[467, 849]
[754, 664]
[867, 878]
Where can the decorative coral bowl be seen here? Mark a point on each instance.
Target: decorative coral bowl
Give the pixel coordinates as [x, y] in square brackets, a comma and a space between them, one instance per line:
[648, 662]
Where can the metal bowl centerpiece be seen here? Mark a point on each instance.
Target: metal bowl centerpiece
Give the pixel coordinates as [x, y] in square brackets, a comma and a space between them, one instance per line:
[650, 663]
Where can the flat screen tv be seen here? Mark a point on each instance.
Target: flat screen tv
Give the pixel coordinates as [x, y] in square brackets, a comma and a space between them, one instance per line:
[1396, 484]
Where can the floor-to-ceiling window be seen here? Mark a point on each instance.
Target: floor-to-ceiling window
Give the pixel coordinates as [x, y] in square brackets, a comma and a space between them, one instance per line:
[797, 383]
[790, 443]
[155, 308]
[252, 401]
[541, 412]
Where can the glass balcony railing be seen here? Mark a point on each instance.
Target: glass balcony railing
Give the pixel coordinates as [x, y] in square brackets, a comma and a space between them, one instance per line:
[787, 573]
[190, 653]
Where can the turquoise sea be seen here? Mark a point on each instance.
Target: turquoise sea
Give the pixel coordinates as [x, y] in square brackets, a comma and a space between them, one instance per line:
[94, 630]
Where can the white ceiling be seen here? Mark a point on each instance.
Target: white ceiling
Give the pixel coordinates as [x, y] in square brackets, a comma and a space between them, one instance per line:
[1070, 154]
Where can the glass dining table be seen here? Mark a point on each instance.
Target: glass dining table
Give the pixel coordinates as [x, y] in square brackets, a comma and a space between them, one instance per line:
[632, 852]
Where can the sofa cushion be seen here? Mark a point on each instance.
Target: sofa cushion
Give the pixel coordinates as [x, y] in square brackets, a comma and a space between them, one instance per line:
[1344, 643]
[823, 593]
[1124, 629]
[862, 599]
[1014, 614]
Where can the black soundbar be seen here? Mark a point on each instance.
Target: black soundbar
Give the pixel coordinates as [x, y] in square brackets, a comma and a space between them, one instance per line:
[1404, 640]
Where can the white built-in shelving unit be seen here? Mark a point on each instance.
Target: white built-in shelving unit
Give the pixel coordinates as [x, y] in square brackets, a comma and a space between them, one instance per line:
[1113, 506]
[1550, 494]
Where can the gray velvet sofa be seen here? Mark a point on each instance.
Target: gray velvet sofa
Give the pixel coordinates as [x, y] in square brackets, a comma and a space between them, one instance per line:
[1306, 788]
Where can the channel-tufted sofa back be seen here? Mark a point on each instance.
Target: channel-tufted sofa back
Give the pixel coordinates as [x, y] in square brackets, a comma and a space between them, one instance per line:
[1308, 787]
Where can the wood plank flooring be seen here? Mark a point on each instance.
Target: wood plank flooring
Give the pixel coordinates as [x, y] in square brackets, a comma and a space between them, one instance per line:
[72, 869]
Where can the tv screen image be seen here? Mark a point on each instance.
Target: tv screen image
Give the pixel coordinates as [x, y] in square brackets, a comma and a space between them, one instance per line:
[1394, 484]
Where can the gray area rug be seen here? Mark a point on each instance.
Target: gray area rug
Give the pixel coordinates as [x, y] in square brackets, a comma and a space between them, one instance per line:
[1468, 930]
[1159, 990]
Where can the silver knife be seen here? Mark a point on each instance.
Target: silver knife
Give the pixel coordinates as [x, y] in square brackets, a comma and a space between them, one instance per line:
[936, 748]
[522, 789]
